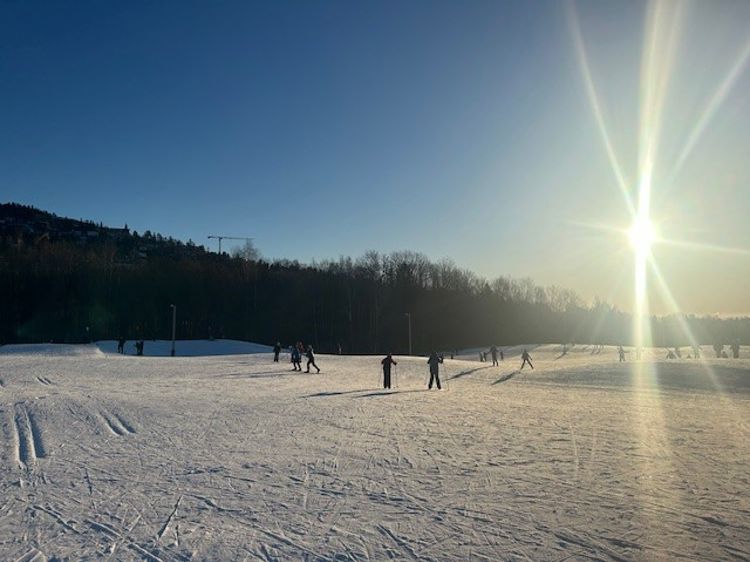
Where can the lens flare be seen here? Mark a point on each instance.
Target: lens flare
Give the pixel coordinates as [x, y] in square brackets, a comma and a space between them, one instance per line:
[662, 32]
[642, 236]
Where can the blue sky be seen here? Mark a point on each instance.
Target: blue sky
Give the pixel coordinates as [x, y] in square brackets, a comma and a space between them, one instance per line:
[459, 129]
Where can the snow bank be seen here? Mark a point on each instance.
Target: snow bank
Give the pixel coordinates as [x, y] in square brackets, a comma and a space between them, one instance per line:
[51, 349]
[151, 348]
[187, 348]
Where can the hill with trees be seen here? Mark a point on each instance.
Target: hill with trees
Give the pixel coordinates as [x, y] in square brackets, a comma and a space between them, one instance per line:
[67, 280]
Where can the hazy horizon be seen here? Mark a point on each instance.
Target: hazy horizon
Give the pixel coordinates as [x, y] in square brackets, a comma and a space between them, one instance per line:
[465, 131]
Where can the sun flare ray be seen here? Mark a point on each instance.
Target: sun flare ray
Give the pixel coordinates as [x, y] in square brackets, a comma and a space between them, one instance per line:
[596, 106]
[713, 105]
[701, 247]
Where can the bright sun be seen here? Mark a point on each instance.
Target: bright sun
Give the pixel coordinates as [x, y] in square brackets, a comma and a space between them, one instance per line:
[642, 235]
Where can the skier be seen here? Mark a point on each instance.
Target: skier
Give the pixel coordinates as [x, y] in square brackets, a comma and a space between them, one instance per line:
[296, 358]
[493, 351]
[139, 347]
[526, 359]
[387, 362]
[310, 359]
[621, 351]
[121, 345]
[276, 351]
[434, 362]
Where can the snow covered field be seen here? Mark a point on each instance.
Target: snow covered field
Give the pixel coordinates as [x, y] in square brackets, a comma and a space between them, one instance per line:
[109, 457]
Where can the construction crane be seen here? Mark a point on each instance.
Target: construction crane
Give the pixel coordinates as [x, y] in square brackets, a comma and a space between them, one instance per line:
[220, 238]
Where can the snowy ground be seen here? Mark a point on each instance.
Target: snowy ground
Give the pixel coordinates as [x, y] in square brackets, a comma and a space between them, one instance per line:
[109, 457]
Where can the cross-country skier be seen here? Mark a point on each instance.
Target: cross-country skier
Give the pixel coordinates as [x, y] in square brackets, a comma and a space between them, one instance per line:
[387, 362]
[434, 362]
[276, 351]
[621, 352]
[493, 351]
[526, 359]
[296, 358]
[310, 359]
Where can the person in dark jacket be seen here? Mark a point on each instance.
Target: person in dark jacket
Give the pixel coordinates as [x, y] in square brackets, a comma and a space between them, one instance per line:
[296, 355]
[493, 352]
[434, 363]
[387, 362]
[310, 359]
[526, 359]
[276, 351]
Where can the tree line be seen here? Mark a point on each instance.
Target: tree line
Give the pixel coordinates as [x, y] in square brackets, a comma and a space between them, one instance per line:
[65, 292]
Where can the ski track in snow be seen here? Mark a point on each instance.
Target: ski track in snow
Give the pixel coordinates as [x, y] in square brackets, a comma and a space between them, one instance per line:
[107, 457]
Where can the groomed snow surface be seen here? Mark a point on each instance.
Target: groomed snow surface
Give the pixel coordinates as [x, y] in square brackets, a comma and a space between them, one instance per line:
[233, 457]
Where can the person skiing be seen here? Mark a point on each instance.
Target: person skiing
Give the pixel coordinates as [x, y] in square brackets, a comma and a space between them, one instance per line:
[276, 351]
[296, 358]
[526, 359]
[434, 362]
[621, 352]
[387, 362]
[493, 351]
[310, 359]
[121, 345]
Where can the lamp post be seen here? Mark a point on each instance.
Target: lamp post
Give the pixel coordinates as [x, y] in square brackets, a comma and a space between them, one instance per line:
[174, 325]
[408, 316]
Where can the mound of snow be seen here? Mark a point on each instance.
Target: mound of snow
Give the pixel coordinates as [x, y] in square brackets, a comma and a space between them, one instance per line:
[187, 348]
[58, 349]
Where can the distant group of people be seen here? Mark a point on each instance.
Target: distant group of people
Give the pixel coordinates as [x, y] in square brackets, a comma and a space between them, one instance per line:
[435, 360]
[492, 352]
[296, 352]
[121, 346]
[721, 353]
